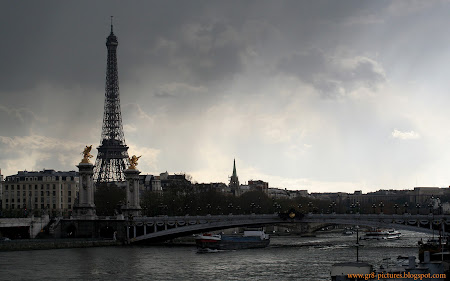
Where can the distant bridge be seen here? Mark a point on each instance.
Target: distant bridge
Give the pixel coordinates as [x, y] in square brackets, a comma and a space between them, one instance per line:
[165, 227]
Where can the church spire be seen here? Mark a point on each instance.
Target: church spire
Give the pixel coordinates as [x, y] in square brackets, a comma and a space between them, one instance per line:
[234, 181]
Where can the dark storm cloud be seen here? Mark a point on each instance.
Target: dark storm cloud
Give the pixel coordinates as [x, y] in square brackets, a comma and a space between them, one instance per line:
[18, 121]
[333, 76]
[63, 43]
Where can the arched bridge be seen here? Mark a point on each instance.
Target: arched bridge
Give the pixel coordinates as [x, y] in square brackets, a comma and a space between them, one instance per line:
[164, 227]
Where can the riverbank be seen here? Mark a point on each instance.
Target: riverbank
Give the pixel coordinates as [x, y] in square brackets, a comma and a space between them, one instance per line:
[46, 244]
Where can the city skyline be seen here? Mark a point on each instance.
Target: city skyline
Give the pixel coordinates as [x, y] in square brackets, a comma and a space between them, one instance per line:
[324, 96]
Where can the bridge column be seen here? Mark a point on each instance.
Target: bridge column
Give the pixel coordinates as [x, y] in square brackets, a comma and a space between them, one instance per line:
[85, 208]
[132, 206]
[134, 231]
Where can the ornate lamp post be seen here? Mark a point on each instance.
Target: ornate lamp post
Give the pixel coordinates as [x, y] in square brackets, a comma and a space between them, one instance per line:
[357, 205]
[381, 205]
[310, 207]
[418, 208]
[218, 210]
[208, 208]
[406, 205]
[374, 207]
[238, 209]
[333, 207]
[252, 207]
[299, 207]
[395, 207]
[430, 207]
[230, 208]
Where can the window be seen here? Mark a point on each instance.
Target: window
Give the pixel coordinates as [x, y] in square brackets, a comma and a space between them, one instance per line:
[42, 206]
[6, 187]
[18, 193]
[54, 206]
[42, 193]
[69, 200]
[35, 206]
[18, 187]
[35, 200]
[35, 187]
[48, 193]
[48, 186]
[24, 193]
[42, 199]
[12, 187]
[6, 200]
[7, 206]
[69, 193]
[54, 186]
[12, 206]
[18, 200]
[54, 193]
[42, 187]
[12, 200]
[70, 206]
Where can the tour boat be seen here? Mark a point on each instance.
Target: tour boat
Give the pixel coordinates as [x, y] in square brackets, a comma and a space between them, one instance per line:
[380, 234]
[249, 239]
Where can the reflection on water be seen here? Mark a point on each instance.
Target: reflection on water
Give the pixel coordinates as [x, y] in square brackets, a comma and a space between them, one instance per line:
[287, 258]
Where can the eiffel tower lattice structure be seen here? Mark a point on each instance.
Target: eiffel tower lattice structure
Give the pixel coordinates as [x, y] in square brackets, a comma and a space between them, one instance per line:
[112, 157]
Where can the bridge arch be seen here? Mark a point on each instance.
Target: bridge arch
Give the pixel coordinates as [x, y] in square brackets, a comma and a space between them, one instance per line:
[165, 228]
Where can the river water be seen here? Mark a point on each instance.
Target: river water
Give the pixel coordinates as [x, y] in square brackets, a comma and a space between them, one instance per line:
[287, 258]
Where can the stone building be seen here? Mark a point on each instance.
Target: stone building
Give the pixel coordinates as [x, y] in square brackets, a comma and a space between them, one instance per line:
[38, 190]
[259, 185]
[150, 183]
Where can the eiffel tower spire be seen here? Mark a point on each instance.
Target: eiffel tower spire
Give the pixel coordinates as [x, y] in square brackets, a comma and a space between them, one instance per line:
[112, 155]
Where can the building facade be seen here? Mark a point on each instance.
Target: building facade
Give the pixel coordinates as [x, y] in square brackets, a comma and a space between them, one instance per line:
[48, 190]
[259, 185]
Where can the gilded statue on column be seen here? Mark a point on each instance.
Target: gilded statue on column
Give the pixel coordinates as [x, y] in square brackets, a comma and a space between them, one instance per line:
[133, 161]
[86, 154]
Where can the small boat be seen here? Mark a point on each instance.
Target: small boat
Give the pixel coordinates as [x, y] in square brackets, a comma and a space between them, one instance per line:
[348, 231]
[249, 239]
[379, 234]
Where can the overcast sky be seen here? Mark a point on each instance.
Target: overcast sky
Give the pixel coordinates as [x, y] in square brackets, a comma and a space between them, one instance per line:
[316, 95]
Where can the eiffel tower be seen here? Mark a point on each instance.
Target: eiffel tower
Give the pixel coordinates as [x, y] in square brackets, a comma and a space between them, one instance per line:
[112, 156]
